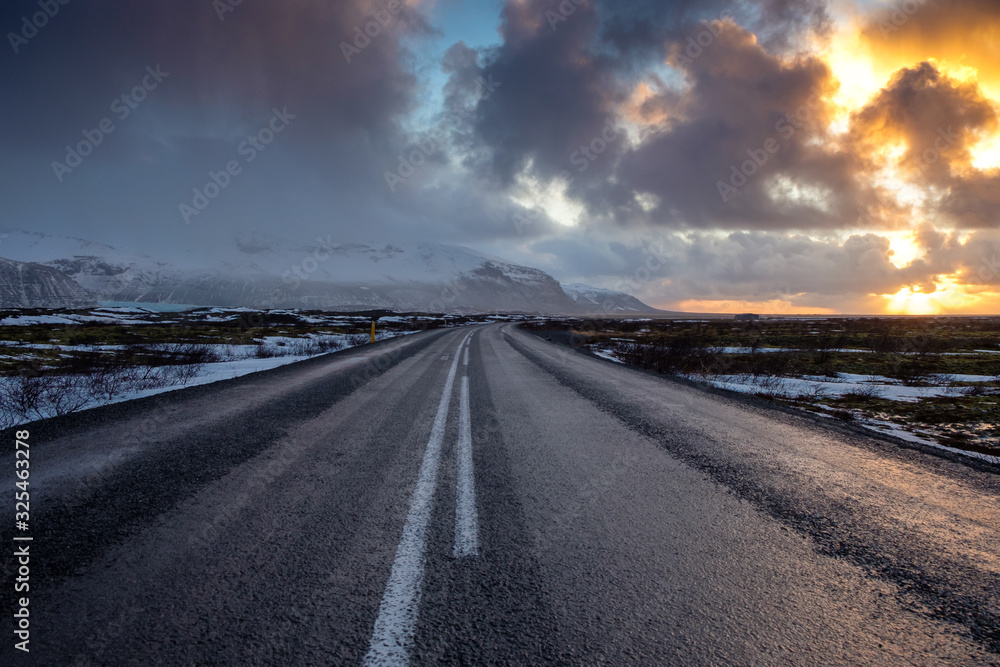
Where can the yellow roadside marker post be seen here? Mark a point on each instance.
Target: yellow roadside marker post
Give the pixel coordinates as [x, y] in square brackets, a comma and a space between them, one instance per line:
[373, 331]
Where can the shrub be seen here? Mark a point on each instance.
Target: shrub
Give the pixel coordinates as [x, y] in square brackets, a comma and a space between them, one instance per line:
[864, 392]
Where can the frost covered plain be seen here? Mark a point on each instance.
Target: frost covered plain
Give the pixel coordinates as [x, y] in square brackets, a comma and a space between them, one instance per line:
[54, 362]
[929, 380]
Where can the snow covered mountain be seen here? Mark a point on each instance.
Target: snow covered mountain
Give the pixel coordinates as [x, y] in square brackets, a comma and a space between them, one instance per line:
[29, 285]
[594, 301]
[99, 268]
[263, 271]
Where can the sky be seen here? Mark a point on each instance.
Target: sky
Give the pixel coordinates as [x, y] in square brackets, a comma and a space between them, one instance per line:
[783, 156]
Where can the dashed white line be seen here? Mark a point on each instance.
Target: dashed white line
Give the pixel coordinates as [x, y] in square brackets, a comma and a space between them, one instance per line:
[397, 614]
[466, 517]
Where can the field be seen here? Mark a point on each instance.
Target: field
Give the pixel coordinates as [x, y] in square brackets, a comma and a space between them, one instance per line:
[931, 380]
[55, 362]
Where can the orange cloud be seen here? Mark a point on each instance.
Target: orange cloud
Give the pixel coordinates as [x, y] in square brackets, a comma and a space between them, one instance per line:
[963, 36]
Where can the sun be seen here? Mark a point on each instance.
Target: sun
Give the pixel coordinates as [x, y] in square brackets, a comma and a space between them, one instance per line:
[904, 248]
[908, 301]
[949, 297]
[986, 153]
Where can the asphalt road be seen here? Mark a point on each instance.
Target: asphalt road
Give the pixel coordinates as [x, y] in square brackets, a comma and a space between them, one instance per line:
[483, 496]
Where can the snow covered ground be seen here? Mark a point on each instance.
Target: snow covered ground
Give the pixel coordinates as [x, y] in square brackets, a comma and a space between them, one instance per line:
[871, 386]
[238, 360]
[811, 390]
[920, 438]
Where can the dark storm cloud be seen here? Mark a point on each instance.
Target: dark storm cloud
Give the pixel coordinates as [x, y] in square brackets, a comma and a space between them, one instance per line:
[704, 88]
[649, 27]
[225, 74]
[750, 125]
[257, 55]
[563, 90]
[556, 95]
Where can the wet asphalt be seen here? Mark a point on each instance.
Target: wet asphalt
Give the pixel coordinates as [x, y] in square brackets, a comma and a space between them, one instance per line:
[623, 518]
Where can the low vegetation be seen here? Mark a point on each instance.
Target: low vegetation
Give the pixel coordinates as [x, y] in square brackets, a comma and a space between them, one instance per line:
[57, 362]
[933, 379]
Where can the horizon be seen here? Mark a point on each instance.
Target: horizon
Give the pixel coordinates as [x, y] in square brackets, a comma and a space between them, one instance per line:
[797, 158]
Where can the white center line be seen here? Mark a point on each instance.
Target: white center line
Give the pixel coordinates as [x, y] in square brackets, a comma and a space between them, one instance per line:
[465, 357]
[466, 518]
[397, 614]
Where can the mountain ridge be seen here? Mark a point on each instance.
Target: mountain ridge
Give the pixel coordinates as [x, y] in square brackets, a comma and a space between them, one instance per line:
[32, 285]
[265, 271]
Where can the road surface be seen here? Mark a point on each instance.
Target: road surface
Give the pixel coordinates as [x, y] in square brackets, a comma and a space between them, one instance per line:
[483, 496]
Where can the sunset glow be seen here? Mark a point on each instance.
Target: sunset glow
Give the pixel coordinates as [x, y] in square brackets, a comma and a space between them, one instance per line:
[864, 57]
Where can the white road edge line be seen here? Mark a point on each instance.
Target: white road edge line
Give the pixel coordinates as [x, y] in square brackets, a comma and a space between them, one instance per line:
[397, 614]
[466, 517]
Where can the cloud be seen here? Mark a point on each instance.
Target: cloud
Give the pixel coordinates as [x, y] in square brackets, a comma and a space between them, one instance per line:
[957, 33]
[226, 75]
[974, 258]
[649, 28]
[565, 92]
[933, 116]
[934, 120]
[745, 148]
[556, 96]
[594, 132]
[670, 269]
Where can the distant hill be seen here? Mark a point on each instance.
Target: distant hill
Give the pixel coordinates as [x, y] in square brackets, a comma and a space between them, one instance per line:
[596, 301]
[30, 285]
[262, 271]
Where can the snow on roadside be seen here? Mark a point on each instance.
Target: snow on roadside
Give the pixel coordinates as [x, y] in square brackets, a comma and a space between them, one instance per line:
[27, 320]
[606, 354]
[101, 318]
[211, 372]
[896, 431]
[814, 386]
[244, 364]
